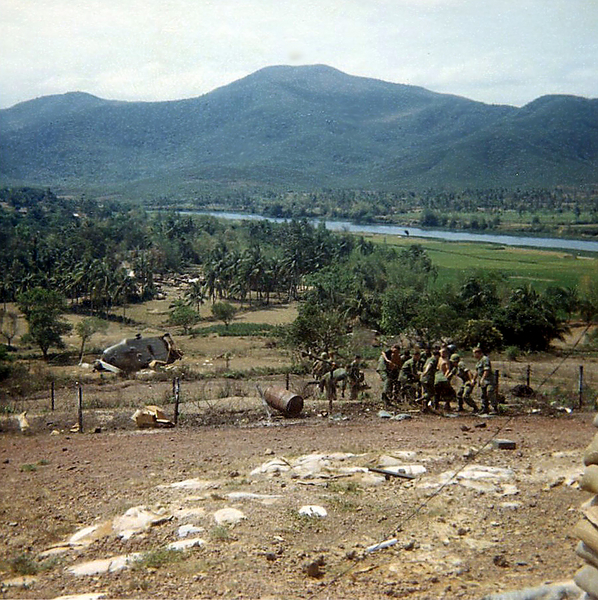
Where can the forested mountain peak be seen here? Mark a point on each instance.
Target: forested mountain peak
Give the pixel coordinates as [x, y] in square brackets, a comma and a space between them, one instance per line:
[304, 127]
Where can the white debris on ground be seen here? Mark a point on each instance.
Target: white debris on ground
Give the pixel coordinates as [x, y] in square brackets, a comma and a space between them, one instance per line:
[312, 510]
[229, 516]
[309, 470]
[105, 565]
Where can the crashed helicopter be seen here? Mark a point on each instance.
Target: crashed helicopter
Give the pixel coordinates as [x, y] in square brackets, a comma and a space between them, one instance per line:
[134, 354]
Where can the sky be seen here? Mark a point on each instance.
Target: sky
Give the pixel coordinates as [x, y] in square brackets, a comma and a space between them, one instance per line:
[494, 51]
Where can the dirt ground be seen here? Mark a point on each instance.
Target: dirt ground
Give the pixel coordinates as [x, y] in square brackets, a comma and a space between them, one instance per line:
[461, 539]
[474, 519]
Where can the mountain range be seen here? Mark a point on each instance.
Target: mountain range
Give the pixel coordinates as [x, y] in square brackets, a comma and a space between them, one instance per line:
[307, 127]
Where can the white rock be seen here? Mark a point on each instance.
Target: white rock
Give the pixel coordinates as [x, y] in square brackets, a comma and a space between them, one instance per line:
[105, 565]
[137, 519]
[312, 510]
[185, 530]
[407, 469]
[263, 498]
[510, 505]
[275, 465]
[192, 484]
[228, 516]
[186, 544]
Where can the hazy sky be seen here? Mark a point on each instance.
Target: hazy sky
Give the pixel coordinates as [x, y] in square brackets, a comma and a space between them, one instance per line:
[496, 51]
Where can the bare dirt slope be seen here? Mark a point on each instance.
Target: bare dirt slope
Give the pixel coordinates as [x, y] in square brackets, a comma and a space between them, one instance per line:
[503, 522]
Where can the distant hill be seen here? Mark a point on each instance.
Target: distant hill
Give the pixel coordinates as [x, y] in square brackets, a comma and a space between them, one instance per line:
[298, 127]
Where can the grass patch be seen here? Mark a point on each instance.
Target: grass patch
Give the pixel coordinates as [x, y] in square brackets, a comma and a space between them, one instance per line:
[236, 329]
[154, 559]
[220, 532]
[31, 467]
[23, 564]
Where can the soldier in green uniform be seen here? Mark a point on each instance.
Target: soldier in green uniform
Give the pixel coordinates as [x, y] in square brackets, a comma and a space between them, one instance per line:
[460, 370]
[409, 376]
[384, 370]
[355, 377]
[427, 380]
[484, 377]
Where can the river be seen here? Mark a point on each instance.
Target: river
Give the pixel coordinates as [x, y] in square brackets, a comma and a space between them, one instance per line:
[416, 232]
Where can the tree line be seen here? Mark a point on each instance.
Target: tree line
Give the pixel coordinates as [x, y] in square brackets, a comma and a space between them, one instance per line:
[96, 256]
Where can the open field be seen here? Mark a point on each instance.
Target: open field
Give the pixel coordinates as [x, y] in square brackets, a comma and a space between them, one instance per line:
[541, 268]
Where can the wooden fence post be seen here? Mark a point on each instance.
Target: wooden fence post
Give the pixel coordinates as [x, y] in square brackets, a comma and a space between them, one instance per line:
[528, 375]
[580, 386]
[52, 394]
[80, 407]
[176, 386]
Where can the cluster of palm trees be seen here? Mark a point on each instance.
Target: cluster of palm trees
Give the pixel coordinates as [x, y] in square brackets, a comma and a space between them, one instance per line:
[257, 272]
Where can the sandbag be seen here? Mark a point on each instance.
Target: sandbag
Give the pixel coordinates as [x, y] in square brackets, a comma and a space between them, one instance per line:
[587, 533]
[587, 579]
[590, 456]
[586, 553]
[589, 479]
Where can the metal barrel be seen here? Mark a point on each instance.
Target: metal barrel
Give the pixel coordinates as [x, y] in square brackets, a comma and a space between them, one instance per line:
[284, 401]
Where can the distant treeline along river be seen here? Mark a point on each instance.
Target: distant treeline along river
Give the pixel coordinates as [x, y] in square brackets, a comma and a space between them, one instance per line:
[416, 232]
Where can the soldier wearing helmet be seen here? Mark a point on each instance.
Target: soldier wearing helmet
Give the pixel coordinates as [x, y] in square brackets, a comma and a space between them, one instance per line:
[460, 370]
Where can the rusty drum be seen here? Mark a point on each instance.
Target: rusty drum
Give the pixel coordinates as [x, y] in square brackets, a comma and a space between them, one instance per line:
[285, 401]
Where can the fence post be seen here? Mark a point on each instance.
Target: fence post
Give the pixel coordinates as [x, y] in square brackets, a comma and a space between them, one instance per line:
[497, 379]
[52, 393]
[528, 375]
[176, 386]
[580, 386]
[80, 407]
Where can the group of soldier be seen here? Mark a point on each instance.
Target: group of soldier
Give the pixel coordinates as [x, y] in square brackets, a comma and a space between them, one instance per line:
[426, 378]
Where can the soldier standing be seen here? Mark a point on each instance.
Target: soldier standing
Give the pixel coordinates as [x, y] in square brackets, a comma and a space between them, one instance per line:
[409, 375]
[484, 377]
[427, 380]
[443, 390]
[460, 370]
[355, 377]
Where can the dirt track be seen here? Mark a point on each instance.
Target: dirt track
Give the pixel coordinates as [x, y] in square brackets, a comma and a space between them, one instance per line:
[466, 539]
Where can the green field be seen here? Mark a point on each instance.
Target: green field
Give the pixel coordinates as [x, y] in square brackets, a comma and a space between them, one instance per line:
[541, 268]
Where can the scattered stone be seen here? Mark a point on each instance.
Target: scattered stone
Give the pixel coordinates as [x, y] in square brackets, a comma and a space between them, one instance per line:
[384, 414]
[510, 505]
[382, 545]
[465, 428]
[23, 581]
[481, 425]
[192, 484]
[269, 452]
[185, 530]
[229, 516]
[105, 565]
[314, 568]
[138, 519]
[503, 444]
[401, 417]
[277, 465]
[312, 510]
[186, 544]
[263, 498]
